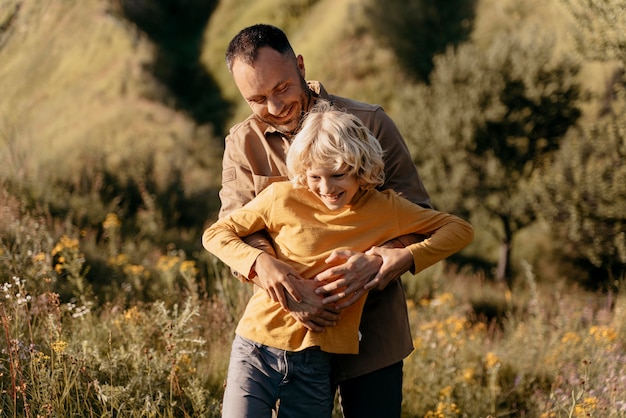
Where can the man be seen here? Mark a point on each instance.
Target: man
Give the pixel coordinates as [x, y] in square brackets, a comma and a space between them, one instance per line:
[271, 78]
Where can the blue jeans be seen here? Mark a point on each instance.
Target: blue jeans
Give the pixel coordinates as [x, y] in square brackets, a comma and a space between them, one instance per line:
[263, 379]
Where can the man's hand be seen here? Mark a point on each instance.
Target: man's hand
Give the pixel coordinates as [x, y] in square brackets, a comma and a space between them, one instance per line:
[310, 311]
[344, 283]
[396, 262]
[295, 294]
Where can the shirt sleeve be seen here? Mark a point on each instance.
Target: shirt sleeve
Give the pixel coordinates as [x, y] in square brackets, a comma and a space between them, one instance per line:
[224, 237]
[237, 182]
[446, 233]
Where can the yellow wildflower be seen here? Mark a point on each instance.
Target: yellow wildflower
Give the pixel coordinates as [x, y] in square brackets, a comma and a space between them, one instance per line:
[118, 260]
[111, 221]
[167, 263]
[586, 408]
[40, 357]
[446, 392]
[65, 242]
[570, 337]
[136, 270]
[603, 334]
[468, 374]
[132, 314]
[59, 346]
[188, 267]
[491, 360]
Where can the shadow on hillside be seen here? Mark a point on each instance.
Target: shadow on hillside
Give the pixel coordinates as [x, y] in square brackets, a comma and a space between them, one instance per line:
[177, 31]
[417, 30]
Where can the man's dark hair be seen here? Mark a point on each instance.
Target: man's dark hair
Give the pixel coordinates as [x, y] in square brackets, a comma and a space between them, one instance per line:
[246, 44]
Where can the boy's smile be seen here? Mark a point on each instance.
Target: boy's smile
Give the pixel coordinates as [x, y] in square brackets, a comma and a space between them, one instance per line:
[334, 189]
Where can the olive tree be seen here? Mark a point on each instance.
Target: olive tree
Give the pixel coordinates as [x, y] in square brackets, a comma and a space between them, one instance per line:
[583, 193]
[484, 124]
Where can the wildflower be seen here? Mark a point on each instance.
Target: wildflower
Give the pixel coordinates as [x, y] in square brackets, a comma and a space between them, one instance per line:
[443, 299]
[570, 337]
[118, 260]
[81, 311]
[468, 374]
[59, 346]
[188, 268]
[132, 314]
[603, 334]
[491, 361]
[40, 358]
[446, 392]
[455, 325]
[39, 257]
[444, 410]
[111, 222]
[64, 242]
[135, 270]
[167, 263]
[588, 405]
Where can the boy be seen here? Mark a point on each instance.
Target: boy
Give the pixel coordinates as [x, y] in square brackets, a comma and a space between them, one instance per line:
[334, 164]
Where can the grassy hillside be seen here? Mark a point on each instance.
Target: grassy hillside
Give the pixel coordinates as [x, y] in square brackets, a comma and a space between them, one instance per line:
[72, 81]
[73, 93]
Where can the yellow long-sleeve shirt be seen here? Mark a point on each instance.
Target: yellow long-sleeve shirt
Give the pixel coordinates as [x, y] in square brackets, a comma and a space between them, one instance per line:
[304, 232]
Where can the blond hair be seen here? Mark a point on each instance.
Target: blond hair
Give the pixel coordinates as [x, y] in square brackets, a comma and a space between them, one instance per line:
[337, 140]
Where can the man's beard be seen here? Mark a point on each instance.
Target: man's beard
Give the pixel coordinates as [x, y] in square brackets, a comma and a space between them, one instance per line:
[291, 130]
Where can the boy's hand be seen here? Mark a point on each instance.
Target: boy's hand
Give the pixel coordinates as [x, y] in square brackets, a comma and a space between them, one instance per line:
[295, 294]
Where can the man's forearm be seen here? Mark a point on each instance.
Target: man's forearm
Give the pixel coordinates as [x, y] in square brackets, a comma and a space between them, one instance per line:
[261, 241]
[403, 242]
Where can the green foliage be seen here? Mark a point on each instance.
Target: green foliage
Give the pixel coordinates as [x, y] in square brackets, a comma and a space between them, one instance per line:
[601, 24]
[583, 194]
[417, 30]
[485, 122]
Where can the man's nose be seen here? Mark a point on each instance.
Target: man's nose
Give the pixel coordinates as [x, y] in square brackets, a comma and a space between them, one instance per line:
[274, 106]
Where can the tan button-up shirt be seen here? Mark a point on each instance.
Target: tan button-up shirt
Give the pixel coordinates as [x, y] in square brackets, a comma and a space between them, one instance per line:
[254, 157]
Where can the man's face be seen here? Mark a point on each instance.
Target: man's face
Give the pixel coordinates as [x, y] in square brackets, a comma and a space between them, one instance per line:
[274, 88]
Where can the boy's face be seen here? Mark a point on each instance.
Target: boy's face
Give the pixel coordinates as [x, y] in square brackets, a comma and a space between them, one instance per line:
[334, 189]
[274, 88]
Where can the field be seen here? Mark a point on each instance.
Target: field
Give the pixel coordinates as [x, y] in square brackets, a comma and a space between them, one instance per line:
[480, 350]
[109, 306]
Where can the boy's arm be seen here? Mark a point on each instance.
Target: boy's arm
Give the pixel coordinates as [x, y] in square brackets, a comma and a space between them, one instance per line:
[402, 176]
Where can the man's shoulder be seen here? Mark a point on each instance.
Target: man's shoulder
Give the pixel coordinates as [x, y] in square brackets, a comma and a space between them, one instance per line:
[345, 103]
[354, 106]
[250, 125]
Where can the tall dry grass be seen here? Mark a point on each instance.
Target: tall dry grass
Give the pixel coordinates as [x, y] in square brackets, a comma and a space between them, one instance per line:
[157, 343]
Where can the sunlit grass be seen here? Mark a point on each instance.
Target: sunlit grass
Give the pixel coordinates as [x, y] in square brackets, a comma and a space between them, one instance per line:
[76, 356]
[551, 352]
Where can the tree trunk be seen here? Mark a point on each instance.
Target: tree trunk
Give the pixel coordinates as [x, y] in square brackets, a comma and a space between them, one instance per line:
[503, 272]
